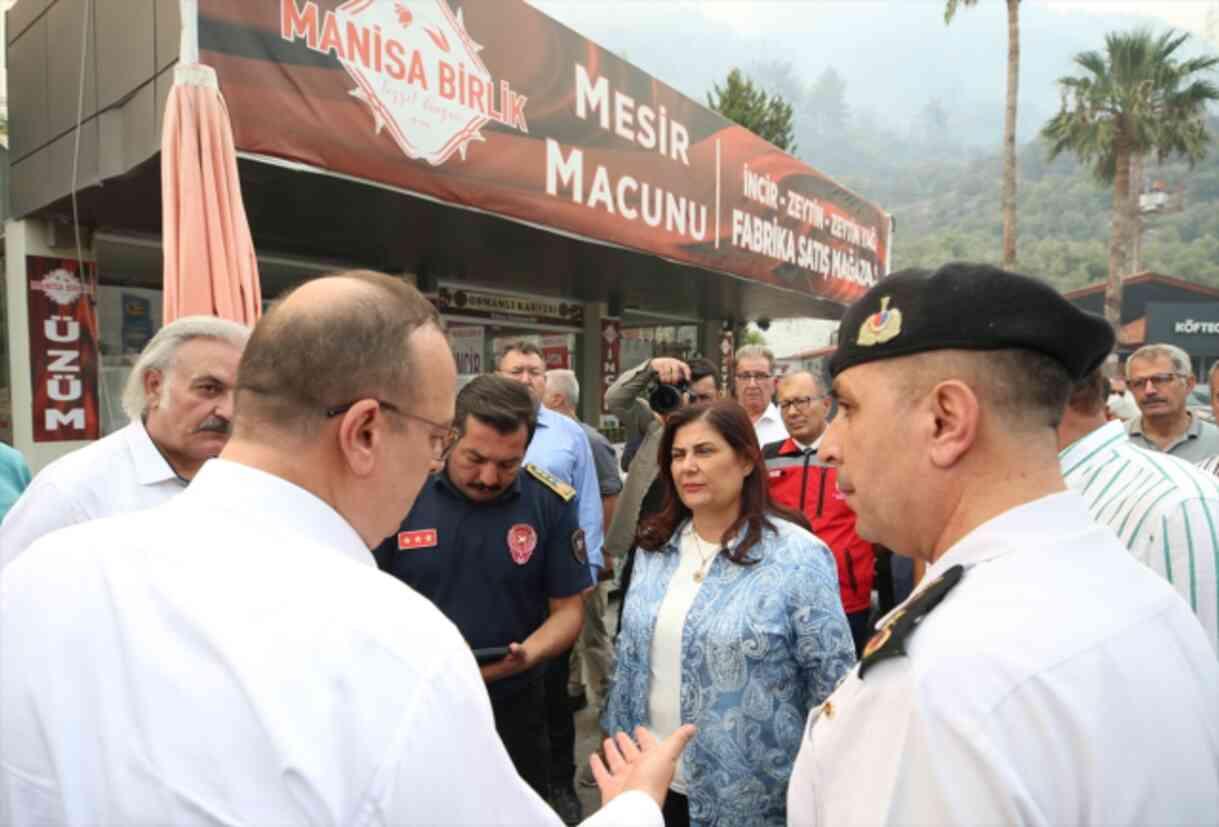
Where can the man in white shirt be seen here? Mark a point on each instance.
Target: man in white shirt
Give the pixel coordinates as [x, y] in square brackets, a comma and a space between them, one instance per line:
[1164, 509]
[179, 397]
[1038, 674]
[755, 389]
[233, 656]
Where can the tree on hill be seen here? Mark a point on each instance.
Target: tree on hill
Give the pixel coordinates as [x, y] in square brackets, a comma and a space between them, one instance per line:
[1135, 99]
[1008, 196]
[767, 116]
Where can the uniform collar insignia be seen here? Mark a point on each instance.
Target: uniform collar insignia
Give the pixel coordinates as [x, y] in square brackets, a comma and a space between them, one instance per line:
[881, 326]
[890, 640]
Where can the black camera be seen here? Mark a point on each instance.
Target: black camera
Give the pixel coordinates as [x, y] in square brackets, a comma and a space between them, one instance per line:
[667, 398]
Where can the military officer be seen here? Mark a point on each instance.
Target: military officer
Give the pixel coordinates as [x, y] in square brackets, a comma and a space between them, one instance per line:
[1038, 674]
[496, 545]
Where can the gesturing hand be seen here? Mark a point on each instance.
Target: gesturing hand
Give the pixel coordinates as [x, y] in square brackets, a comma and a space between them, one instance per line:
[647, 766]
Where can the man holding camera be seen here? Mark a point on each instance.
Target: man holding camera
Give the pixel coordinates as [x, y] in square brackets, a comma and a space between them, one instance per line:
[668, 384]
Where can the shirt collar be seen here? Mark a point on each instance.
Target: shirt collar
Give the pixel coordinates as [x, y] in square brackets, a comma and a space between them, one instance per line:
[1061, 515]
[272, 500]
[151, 467]
[771, 414]
[1082, 450]
[1192, 431]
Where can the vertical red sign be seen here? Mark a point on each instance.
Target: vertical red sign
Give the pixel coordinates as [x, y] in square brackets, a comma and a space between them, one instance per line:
[727, 357]
[611, 350]
[63, 349]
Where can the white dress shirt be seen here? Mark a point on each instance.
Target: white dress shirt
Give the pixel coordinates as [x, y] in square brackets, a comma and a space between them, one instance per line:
[119, 473]
[235, 657]
[1162, 508]
[1060, 682]
[770, 427]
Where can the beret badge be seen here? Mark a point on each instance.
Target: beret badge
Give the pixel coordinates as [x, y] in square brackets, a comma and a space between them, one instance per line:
[881, 326]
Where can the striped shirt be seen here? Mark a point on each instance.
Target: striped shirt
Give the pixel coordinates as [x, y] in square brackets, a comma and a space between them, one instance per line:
[1165, 510]
[1210, 465]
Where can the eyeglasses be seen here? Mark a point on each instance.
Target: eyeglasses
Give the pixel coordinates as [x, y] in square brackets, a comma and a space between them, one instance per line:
[746, 378]
[440, 437]
[518, 372]
[1159, 381]
[799, 402]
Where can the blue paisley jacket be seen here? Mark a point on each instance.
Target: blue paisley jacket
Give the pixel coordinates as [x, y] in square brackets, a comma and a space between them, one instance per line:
[762, 645]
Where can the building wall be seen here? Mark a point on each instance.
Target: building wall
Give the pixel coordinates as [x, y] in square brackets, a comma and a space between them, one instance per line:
[130, 48]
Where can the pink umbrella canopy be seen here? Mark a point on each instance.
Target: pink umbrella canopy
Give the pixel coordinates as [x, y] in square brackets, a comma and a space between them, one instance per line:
[210, 267]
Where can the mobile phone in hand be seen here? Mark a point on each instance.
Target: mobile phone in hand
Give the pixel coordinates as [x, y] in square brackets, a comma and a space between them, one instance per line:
[490, 654]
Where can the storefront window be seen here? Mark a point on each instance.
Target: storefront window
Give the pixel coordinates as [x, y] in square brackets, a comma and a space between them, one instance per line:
[127, 318]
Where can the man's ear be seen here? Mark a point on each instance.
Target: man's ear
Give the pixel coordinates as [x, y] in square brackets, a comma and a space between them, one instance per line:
[360, 433]
[955, 410]
[154, 386]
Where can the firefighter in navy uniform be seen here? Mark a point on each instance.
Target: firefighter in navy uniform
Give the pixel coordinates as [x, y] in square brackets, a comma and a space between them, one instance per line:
[496, 545]
[799, 479]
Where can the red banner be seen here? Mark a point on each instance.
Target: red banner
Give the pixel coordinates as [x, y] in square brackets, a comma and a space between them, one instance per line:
[63, 349]
[495, 106]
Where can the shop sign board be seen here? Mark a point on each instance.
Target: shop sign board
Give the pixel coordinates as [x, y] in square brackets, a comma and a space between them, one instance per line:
[611, 355]
[495, 106]
[63, 349]
[467, 343]
[1193, 327]
[508, 307]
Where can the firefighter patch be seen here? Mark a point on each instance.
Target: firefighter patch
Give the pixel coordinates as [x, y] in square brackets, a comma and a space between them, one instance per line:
[522, 540]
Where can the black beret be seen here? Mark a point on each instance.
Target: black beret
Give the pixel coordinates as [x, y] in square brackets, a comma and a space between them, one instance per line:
[969, 307]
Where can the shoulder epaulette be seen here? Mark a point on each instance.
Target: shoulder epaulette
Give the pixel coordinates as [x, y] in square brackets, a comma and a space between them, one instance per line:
[551, 481]
[890, 639]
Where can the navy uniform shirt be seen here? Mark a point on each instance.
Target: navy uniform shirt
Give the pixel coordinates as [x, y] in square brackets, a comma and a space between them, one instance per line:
[490, 567]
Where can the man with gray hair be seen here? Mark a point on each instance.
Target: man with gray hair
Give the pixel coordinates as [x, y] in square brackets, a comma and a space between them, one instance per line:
[1161, 378]
[755, 390]
[179, 397]
[593, 653]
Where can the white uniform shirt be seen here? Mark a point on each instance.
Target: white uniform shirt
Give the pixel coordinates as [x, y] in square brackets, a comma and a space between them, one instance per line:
[1162, 508]
[235, 657]
[770, 427]
[1060, 682]
[119, 473]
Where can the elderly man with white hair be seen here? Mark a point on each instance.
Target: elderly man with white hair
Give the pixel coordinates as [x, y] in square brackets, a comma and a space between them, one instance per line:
[179, 397]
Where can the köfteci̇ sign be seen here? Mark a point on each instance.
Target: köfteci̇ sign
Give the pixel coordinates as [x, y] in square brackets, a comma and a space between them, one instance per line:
[63, 350]
[494, 106]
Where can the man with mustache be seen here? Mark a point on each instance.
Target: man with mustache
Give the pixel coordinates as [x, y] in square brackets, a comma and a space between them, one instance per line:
[180, 400]
[1161, 378]
[496, 544]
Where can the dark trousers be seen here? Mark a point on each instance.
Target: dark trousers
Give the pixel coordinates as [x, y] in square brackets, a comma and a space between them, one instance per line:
[861, 630]
[560, 722]
[676, 810]
[520, 721]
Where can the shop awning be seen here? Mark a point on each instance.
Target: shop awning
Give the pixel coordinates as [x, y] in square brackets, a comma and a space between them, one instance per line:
[501, 111]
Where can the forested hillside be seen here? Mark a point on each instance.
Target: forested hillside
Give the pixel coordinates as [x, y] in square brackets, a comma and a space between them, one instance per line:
[950, 209]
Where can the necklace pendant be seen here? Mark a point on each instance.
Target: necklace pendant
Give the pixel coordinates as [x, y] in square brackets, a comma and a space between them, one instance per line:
[698, 576]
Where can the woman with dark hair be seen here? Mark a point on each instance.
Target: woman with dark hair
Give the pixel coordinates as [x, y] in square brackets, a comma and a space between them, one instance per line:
[733, 623]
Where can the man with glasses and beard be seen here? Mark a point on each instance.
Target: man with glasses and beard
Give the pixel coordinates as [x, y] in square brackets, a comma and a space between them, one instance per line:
[179, 397]
[1161, 378]
[496, 544]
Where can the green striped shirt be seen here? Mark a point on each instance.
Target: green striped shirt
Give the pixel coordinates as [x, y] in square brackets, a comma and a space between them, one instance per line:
[1165, 510]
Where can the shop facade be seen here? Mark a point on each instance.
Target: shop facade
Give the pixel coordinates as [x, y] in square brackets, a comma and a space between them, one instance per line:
[1161, 309]
[534, 185]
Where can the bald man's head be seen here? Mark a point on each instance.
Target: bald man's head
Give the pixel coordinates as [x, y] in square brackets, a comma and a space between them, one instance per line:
[328, 342]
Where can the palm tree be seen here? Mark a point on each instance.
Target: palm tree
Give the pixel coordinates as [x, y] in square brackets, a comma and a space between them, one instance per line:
[1136, 99]
[1007, 200]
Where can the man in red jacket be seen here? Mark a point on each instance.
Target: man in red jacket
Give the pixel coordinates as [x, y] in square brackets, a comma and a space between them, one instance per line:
[799, 479]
